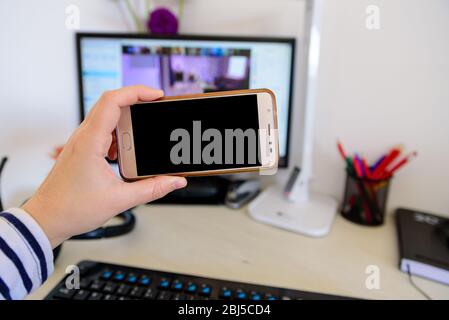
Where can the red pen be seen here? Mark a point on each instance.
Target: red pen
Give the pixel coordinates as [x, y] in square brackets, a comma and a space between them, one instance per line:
[341, 150]
[366, 169]
[356, 165]
[393, 154]
[401, 163]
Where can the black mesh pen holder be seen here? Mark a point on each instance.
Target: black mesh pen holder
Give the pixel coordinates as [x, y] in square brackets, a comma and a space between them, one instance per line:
[365, 200]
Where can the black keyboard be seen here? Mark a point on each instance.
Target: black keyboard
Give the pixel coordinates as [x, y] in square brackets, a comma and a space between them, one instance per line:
[102, 281]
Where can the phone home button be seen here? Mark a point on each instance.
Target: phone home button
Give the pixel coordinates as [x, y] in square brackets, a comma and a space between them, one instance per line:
[126, 140]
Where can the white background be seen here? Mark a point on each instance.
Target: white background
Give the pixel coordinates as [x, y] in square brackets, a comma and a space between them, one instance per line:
[376, 88]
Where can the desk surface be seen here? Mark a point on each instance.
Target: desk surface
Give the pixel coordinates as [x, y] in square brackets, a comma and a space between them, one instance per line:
[221, 243]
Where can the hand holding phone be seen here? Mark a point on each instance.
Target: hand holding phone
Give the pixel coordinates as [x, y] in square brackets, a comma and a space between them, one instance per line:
[82, 191]
[202, 134]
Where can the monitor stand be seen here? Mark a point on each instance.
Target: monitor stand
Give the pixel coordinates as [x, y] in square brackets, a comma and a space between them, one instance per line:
[234, 193]
[313, 217]
[199, 190]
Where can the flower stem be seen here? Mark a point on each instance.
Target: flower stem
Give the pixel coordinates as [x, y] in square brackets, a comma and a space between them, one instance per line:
[181, 11]
[133, 13]
[147, 6]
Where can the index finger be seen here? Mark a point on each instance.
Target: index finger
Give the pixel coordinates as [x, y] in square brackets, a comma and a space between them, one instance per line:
[105, 115]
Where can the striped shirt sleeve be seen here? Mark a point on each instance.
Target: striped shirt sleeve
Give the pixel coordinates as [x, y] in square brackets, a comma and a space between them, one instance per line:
[26, 257]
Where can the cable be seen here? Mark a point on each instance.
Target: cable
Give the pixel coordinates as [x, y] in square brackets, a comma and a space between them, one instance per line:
[415, 285]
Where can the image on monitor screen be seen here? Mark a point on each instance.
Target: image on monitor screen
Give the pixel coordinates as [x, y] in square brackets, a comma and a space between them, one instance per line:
[184, 70]
[188, 65]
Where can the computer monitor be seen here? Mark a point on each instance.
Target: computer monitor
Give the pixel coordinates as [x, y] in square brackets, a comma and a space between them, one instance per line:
[188, 64]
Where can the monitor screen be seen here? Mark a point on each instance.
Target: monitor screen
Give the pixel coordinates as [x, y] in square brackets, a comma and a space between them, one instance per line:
[188, 64]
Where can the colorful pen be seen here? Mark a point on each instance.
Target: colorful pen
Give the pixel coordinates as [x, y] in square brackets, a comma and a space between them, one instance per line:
[366, 169]
[360, 165]
[341, 150]
[376, 164]
[401, 163]
[392, 155]
[356, 165]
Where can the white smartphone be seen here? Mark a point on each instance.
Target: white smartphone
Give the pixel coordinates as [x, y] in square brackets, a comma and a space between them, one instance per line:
[201, 134]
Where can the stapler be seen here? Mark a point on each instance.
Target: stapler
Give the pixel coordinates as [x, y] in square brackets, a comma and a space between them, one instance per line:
[241, 192]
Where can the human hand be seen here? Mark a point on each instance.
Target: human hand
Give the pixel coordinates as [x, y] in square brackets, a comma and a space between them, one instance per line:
[82, 192]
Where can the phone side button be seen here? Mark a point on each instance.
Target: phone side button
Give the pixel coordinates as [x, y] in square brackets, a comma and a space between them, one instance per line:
[126, 139]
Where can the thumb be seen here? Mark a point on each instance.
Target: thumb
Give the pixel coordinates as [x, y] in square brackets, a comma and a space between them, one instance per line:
[147, 190]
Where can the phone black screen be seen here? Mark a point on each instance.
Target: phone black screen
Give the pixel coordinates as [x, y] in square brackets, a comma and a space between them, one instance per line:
[196, 135]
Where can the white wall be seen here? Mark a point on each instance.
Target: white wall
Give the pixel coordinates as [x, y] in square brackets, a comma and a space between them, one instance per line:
[376, 88]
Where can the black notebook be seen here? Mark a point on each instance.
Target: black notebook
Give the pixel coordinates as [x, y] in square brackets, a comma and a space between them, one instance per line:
[423, 246]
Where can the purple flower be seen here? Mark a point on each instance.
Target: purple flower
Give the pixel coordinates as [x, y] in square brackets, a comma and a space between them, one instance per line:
[162, 21]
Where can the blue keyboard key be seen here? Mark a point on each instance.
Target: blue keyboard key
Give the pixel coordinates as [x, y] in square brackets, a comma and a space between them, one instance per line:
[131, 279]
[106, 275]
[144, 281]
[119, 276]
[205, 290]
[225, 293]
[255, 296]
[241, 295]
[164, 284]
[176, 285]
[191, 288]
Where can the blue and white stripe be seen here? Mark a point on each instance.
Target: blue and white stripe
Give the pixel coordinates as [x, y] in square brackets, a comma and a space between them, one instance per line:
[26, 258]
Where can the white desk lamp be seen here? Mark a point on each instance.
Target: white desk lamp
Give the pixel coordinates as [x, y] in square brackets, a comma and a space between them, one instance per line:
[301, 211]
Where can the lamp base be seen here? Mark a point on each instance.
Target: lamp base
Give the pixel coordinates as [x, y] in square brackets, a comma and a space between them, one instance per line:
[312, 218]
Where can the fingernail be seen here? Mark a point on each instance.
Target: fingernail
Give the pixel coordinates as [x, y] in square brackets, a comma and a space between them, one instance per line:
[180, 183]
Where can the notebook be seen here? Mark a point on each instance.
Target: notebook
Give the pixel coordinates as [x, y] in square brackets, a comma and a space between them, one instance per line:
[423, 246]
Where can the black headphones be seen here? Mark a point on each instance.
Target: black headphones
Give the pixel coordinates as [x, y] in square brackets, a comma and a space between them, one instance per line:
[127, 225]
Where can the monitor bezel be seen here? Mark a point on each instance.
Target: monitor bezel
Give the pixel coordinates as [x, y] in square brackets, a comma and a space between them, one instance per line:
[283, 161]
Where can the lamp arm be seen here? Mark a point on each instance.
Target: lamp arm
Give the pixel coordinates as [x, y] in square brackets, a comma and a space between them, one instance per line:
[300, 190]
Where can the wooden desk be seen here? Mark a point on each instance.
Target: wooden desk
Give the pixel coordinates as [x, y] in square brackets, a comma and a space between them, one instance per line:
[221, 243]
